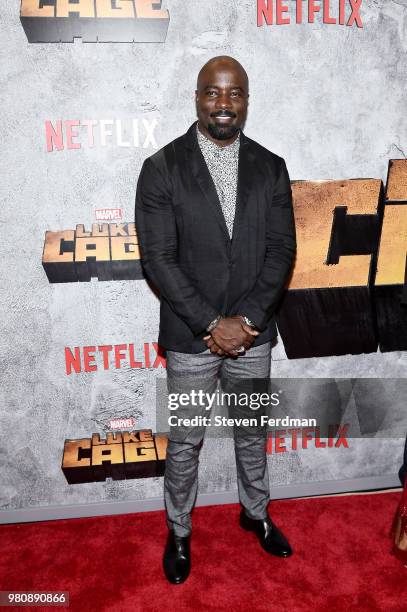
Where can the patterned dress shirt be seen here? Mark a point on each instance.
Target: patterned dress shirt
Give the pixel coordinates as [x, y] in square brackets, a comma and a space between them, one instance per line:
[222, 164]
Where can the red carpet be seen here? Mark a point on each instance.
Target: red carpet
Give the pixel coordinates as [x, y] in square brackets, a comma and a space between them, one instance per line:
[341, 560]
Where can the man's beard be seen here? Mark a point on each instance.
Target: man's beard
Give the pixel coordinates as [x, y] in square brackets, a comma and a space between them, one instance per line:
[222, 132]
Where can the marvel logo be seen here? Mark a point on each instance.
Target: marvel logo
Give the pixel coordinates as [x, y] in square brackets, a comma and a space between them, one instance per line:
[121, 423]
[108, 214]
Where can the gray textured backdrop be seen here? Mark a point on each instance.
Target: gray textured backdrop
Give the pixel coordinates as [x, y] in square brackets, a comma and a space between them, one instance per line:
[329, 99]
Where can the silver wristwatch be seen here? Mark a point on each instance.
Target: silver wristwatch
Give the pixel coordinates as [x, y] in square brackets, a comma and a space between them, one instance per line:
[248, 322]
[213, 324]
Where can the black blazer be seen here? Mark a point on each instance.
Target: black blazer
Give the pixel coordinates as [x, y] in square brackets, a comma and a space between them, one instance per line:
[185, 246]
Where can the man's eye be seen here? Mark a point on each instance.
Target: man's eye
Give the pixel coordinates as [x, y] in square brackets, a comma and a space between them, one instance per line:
[211, 93]
[235, 93]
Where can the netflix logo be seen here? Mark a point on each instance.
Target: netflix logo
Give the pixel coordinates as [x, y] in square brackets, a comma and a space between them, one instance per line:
[72, 134]
[284, 440]
[113, 357]
[332, 12]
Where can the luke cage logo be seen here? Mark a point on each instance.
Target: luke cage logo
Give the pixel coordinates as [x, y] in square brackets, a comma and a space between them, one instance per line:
[348, 291]
[110, 251]
[52, 21]
[134, 454]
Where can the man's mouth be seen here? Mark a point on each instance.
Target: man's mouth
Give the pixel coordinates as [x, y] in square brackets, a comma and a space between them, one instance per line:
[224, 116]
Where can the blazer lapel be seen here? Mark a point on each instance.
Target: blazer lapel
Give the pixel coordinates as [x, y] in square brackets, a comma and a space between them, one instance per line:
[201, 173]
[246, 173]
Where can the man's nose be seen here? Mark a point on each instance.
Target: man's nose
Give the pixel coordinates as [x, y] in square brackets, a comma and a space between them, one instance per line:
[224, 101]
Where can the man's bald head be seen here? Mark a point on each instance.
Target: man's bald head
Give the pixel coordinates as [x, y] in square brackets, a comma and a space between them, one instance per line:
[221, 99]
[222, 63]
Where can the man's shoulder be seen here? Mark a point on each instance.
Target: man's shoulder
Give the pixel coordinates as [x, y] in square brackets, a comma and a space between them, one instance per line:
[167, 154]
[165, 157]
[263, 154]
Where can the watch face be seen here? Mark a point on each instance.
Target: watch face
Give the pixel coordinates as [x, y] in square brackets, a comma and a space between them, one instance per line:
[213, 324]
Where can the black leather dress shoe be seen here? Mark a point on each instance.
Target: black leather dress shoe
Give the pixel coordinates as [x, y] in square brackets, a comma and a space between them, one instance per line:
[271, 538]
[177, 558]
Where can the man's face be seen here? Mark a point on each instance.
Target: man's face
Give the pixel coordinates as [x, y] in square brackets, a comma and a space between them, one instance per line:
[221, 101]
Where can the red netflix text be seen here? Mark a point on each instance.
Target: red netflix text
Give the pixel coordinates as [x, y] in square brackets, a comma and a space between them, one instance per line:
[88, 133]
[333, 12]
[113, 356]
[283, 440]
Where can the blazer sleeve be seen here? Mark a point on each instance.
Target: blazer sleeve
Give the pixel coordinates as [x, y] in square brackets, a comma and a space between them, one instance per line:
[157, 235]
[281, 247]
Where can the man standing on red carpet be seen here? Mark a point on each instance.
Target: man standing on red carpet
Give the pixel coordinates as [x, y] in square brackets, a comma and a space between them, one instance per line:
[216, 229]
